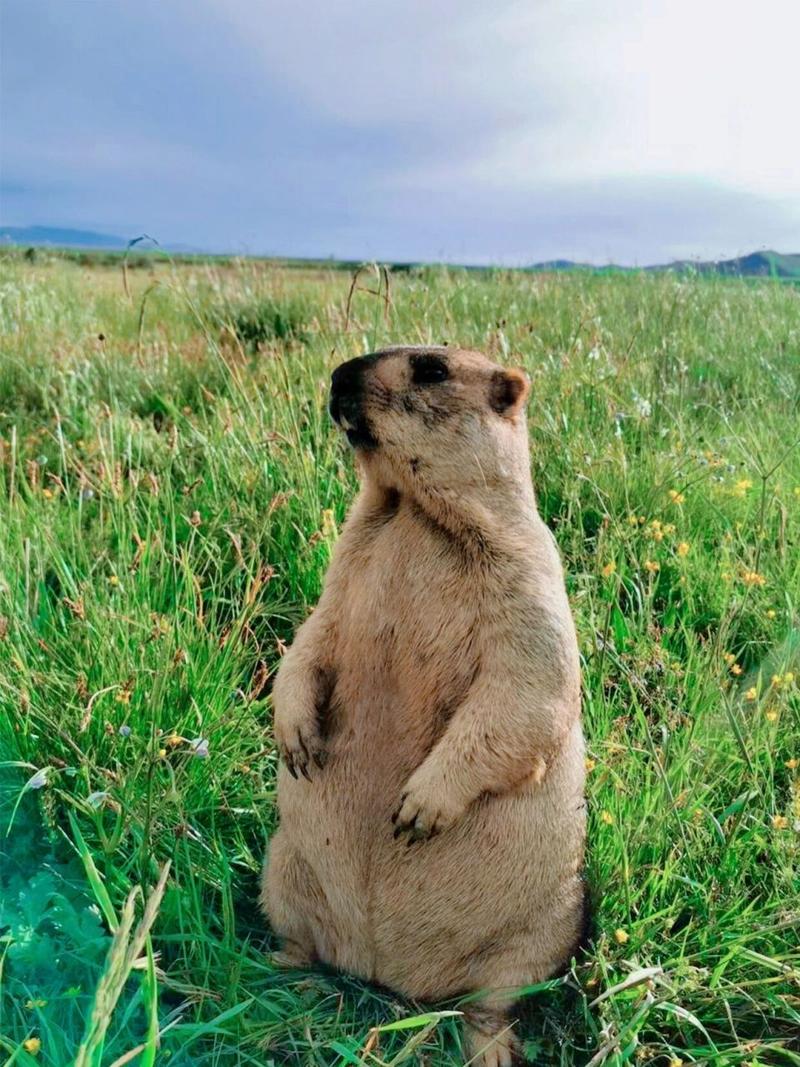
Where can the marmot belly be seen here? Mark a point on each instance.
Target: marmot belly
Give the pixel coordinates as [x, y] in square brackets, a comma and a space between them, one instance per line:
[421, 918]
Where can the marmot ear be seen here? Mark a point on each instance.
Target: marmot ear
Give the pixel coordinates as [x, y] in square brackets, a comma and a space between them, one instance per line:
[509, 391]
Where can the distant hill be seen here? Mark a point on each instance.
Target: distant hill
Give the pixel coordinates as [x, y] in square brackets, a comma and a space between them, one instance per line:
[565, 264]
[57, 237]
[757, 264]
[570, 264]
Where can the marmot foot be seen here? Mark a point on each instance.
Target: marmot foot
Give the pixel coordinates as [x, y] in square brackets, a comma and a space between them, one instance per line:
[489, 1040]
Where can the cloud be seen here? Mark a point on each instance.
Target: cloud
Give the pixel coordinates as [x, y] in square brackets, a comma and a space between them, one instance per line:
[509, 132]
[572, 90]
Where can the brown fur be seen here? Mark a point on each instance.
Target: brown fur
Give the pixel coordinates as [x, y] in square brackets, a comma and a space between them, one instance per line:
[437, 844]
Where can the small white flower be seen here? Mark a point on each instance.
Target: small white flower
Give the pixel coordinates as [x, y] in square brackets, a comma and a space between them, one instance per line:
[199, 747]
[39, 780]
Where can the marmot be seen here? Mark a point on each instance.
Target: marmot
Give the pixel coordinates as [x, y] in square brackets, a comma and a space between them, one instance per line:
[432, 816]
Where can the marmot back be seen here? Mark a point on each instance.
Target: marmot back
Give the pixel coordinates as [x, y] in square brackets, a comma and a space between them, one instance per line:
[431, 805]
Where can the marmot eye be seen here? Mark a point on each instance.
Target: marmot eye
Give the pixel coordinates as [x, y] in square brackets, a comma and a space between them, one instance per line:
[427, 370]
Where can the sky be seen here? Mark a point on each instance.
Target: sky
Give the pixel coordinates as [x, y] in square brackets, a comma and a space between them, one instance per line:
[628, 131]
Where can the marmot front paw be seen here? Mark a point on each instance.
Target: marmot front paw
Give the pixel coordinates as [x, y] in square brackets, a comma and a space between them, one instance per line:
[425, 809]
[300, 749]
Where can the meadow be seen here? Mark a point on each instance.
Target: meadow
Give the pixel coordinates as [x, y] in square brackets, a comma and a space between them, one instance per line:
[170, 492]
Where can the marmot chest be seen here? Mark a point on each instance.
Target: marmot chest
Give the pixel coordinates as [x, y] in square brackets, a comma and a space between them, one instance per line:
[411, 615]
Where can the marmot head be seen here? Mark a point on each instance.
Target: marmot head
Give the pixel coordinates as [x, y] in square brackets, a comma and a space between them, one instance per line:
[448, 416]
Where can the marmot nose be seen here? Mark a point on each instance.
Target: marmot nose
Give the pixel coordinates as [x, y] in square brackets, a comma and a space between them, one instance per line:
[347, 377]
[346, 390]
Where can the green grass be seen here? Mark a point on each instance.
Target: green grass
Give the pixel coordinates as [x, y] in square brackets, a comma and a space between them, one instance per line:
[169, 497]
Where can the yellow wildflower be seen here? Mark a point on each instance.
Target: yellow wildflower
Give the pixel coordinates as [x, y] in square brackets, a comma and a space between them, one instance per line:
[753, 578]
[620, 936]
[676, 497]
[742, 486]
[683, 548]
[113, 580]
[751, 694]
[729, 658]
[609, 569]
[779, 822]
[771, 613]
[783, 680]
[47, 494]
[32, 1045]
[633, 520]
[792, 764]
[652, 566]
[162, 753]
[736, 669]
[174, 740]
[607, 818]
[771, 715]
[589, 764]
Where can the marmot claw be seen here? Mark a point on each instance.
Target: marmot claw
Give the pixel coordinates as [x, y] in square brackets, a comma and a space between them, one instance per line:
[301, 753]
[413, 825]
[420, 817]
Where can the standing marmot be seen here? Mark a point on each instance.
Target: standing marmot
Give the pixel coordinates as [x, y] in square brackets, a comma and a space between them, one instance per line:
[432, 700]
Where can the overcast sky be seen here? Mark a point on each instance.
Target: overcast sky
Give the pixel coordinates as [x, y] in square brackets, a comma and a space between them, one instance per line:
[477, 131]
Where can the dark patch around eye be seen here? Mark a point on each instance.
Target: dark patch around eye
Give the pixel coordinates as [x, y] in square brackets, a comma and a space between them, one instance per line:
[428, 370]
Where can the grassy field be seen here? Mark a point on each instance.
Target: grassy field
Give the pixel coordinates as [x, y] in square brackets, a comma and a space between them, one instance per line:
[170, 491]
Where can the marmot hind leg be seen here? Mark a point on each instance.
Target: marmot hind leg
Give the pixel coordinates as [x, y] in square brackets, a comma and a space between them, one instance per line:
[528, 958]
[289, 896]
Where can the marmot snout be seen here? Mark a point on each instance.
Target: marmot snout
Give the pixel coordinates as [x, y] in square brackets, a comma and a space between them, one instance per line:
[431, 836]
